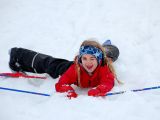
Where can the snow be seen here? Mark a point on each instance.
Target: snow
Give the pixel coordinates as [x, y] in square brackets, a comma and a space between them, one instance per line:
[57, 28]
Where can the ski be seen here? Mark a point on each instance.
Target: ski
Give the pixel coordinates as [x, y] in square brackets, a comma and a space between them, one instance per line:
[20, 75]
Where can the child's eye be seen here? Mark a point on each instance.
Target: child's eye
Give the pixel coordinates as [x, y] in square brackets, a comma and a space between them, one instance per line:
[93, 58]
[83, 58]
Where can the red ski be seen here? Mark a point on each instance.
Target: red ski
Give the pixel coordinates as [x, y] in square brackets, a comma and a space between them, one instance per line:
[19, 74]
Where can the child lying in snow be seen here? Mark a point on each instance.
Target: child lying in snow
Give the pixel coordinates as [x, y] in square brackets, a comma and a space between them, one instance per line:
[92, 67]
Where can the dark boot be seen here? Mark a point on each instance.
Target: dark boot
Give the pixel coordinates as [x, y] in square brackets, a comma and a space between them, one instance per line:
[13, 62]
[21, 59]
[112, 52]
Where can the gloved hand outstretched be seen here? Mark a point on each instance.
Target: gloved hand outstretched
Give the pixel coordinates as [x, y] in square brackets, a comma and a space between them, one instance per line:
[66, 88]
[98, 91]
[71, 94]
[63, 88]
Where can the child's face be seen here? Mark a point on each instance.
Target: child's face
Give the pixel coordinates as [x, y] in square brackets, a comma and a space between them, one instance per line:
[89, 62]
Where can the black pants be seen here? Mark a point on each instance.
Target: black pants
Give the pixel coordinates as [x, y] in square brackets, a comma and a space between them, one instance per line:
[30, 61]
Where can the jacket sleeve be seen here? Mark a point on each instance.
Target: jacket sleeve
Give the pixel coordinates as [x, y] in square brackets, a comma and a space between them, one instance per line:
[106, 80]
[68, 78]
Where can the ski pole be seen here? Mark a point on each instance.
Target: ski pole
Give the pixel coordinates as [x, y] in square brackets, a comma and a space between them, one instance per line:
[134, 90]
[24, 91]
[108, 94]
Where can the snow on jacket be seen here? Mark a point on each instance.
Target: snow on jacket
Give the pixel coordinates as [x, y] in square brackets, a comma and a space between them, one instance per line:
[101, 76]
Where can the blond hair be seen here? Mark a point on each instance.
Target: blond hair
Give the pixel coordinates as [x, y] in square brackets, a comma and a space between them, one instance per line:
[105, 59]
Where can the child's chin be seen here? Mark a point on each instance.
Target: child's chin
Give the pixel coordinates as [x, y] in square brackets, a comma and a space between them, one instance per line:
[89, 71]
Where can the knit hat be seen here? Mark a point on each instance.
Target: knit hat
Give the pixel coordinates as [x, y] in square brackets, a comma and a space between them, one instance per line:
[92, 51]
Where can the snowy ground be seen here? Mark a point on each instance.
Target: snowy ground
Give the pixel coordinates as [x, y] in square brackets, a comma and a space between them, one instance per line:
[57, 27]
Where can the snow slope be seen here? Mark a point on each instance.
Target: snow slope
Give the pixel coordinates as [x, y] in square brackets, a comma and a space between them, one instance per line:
[57, 28]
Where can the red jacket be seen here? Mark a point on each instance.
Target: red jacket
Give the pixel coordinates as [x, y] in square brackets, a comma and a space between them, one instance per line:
[101, 76]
